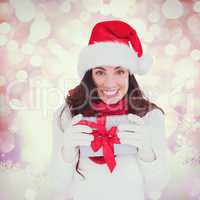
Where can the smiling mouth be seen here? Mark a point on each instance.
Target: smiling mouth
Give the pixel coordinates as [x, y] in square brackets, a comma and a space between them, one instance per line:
[110, 93]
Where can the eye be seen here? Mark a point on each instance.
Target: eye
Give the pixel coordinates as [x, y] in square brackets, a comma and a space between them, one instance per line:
[120, 72]
[99, 72]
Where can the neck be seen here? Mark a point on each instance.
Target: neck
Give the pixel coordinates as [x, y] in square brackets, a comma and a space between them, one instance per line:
[101, 108]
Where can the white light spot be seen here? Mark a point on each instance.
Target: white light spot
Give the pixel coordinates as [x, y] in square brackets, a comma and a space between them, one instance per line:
[189, 84]
[25, 10]
[2, 81]
[185, 44]
[193, 24]
[84, 16]
[172, 9]
[177, 99]
[105, 9]
[5, 28]
[177, 33]
[139, 25]
[40, 29]
[8, 144]
[170, 49]
[27, 49]
[154, 17]
[21, 75]
[30, 194]
[5, 10]
[65, 7]
[119, 8]
[195, 54]
[185, 69]
[15, 104]
[155, 195]
[91, 6]
[12, 45]
[3, 40]
[15, 57]
[76, 27]
[155, 29]
[40, 143]
[196, 6]
[36, 60]
[148, 37]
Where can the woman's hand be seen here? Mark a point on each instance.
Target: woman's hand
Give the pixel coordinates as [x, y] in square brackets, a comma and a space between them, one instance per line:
[136, 133]
[74, 136]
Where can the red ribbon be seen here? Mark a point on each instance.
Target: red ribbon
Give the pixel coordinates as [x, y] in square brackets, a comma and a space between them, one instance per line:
[104, 139]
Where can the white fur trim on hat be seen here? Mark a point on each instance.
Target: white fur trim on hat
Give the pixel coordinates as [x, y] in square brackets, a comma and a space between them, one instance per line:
[112, 54]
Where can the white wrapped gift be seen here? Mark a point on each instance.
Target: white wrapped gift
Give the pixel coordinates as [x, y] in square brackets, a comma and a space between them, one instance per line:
[119, 149]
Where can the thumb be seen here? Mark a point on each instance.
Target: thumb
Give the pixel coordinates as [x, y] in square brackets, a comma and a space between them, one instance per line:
[76, 118]
[134, 118]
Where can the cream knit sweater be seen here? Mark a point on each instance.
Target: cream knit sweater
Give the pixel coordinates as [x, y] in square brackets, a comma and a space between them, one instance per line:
[132, 178]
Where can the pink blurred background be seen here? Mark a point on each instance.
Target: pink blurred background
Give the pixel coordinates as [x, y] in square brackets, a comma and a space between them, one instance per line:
[39, 45]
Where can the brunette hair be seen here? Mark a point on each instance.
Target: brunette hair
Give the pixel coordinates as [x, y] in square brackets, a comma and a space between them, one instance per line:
[78, 100]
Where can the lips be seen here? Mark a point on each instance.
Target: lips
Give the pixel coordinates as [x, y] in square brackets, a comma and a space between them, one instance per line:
[110, 93]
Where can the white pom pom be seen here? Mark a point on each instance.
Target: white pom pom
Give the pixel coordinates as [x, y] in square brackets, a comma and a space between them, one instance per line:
[144, 64]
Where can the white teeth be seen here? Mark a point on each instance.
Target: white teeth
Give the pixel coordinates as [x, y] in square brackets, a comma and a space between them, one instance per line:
[110, 92]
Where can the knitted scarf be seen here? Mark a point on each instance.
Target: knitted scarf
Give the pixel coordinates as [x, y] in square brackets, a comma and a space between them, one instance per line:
[103, 138]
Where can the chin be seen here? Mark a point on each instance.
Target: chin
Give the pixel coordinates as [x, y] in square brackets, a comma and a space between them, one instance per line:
[111, 101]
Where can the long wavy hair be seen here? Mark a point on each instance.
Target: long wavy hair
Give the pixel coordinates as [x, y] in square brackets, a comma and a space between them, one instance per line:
[78, 101]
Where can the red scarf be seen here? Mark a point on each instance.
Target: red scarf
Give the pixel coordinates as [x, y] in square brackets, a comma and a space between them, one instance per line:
[103, 138]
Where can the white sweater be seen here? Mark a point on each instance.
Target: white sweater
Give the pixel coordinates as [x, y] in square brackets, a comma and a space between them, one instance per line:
[132, 178]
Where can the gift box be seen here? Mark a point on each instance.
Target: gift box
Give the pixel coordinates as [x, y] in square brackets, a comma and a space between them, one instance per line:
[106, 125]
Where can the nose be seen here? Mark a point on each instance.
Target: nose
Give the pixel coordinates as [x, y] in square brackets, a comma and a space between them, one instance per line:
[110, 81]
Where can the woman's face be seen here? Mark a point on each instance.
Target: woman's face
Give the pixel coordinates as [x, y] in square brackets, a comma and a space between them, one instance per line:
[111, 83]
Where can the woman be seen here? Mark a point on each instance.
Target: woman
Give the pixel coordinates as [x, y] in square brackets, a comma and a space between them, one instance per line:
[108, 89]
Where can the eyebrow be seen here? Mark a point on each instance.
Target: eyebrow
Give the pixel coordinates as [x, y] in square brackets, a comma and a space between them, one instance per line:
[105, 69]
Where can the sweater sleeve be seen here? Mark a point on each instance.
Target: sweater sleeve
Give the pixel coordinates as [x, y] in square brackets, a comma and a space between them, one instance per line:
[156, 174]
[60, 174]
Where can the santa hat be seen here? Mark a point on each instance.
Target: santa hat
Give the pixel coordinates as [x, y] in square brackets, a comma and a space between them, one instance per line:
[114, 43]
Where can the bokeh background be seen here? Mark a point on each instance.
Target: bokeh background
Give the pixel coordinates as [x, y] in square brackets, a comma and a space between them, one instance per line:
[39, 45]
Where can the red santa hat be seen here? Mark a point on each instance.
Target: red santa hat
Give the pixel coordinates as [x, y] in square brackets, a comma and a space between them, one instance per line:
[114, 43]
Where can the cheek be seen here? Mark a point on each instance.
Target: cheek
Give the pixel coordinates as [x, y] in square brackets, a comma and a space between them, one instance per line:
[98, 80]
[125, 87]
[123, 82]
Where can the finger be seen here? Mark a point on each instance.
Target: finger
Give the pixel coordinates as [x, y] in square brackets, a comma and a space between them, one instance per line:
[134, 118]
[75, 139]
[133, 143]
[129, 136]
[85, 137]
[128, 127]
[80, 143]
[81, 128]
[76, 119]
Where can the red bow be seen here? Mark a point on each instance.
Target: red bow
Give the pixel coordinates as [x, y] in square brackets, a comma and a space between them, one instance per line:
[103, 138]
